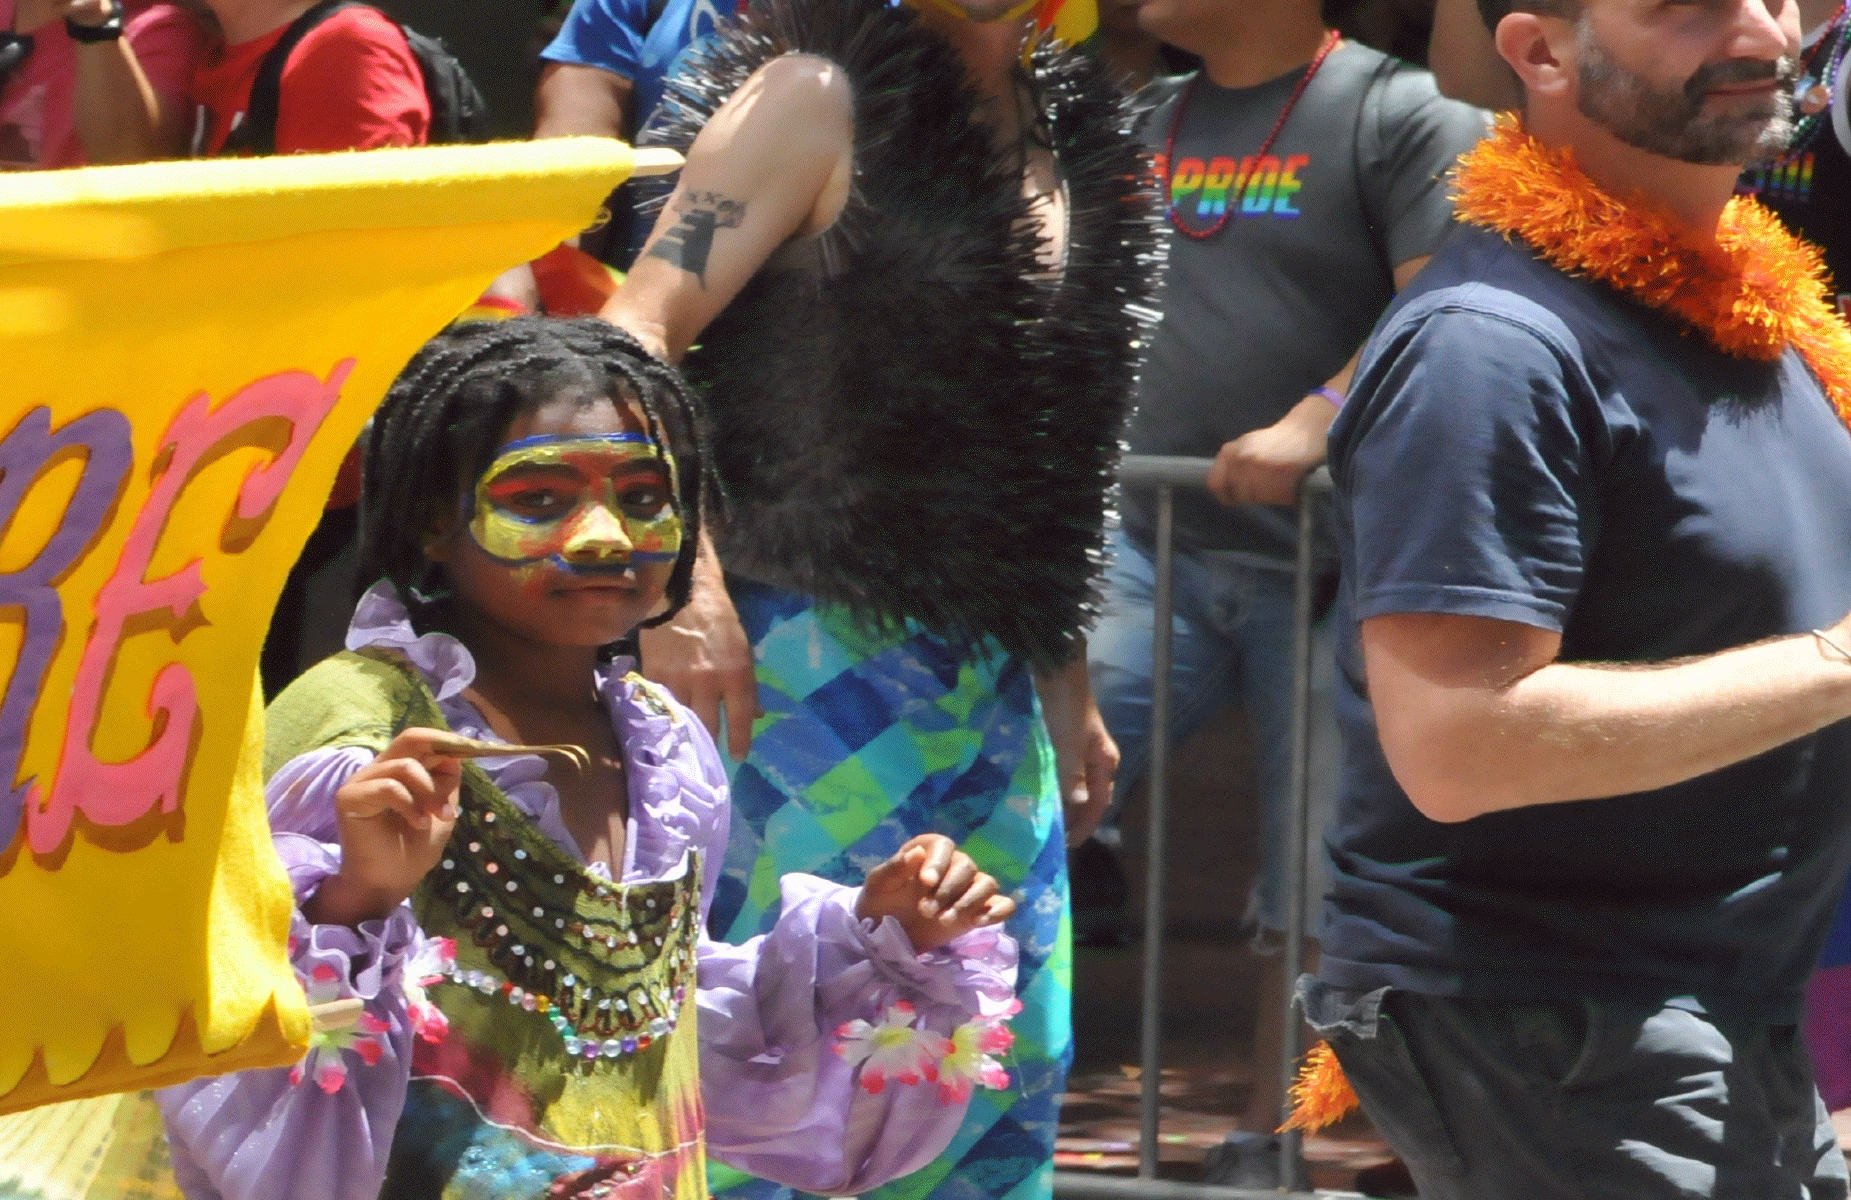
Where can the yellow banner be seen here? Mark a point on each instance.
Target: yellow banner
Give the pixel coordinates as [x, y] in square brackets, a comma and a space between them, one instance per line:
[189, 350]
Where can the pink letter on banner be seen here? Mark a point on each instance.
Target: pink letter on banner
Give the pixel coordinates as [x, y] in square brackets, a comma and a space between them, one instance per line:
[123, 792]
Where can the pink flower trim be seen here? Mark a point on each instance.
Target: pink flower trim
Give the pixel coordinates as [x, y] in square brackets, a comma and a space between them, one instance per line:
[895, 1050]
[428, 1022]
[969, 1056]
[324, 1062]
[426, 967]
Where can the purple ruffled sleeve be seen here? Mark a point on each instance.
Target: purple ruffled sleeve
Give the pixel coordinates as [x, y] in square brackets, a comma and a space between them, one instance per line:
[781, 1102]
[323, 1130]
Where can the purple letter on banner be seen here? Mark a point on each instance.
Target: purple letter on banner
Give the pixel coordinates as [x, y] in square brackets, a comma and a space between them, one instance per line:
[105, 435]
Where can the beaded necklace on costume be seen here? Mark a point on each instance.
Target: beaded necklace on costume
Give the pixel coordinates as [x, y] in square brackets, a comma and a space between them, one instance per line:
[608, 964]
[636, 959]
[1757, 292]
[1176, 123]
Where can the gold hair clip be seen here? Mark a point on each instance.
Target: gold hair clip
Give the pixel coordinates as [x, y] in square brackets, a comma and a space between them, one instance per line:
[455, 745]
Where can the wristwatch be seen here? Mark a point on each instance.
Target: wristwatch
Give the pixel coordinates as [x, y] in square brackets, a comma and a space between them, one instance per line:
[110, 30]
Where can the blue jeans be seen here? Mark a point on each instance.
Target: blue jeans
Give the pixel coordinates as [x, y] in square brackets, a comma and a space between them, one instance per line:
[1232, 643]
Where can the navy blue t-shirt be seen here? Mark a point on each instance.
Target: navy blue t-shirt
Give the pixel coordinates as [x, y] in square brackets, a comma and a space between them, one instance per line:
[1529, 447]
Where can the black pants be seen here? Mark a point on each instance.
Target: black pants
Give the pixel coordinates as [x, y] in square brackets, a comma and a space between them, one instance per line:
[1582, 1100]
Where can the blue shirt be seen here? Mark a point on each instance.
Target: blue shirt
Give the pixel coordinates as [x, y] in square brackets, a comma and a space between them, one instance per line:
[1529, 447]
[620, 37]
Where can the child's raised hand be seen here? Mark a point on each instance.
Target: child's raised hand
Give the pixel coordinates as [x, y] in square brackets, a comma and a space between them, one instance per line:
[395, 815]
[934, 890]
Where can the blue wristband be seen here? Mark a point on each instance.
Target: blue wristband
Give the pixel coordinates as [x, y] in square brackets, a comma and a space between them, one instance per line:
[1331, 394]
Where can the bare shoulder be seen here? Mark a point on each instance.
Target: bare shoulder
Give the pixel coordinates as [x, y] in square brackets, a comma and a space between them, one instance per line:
[811, 81]
[803, 97]
[784, 139]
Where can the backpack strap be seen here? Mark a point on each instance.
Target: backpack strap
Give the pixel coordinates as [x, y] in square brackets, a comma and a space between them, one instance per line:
[256, 134]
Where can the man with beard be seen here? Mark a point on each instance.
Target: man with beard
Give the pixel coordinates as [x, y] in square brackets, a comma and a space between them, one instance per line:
[1592, 512]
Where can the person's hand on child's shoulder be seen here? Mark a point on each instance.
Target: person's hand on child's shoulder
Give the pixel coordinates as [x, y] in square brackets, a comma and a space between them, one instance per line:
[395, 815]
[934, 891]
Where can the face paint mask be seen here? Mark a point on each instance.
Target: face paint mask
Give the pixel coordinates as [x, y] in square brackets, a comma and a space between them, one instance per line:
[586, 504]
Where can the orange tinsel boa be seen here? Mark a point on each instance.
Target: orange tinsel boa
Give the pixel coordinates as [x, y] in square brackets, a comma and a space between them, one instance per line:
[1760, 290]
[1322, 1094]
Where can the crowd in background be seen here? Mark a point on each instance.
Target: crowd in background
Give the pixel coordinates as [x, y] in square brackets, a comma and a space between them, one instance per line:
[62, 98]
[1302, 274]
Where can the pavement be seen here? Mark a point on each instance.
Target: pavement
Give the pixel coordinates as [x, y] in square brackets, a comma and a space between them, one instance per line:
[1207, 1071]
[1209, 985]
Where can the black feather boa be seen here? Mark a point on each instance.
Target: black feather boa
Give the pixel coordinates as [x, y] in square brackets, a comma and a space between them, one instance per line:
[919, 424]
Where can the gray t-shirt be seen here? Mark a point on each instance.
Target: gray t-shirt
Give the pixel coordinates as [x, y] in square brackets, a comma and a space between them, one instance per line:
[1275, 303]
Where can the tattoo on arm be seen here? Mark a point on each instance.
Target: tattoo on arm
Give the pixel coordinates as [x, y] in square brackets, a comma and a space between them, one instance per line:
[689, 241]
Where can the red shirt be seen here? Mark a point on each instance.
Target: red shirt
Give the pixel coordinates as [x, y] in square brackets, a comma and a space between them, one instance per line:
[38, 122]
[351, 84]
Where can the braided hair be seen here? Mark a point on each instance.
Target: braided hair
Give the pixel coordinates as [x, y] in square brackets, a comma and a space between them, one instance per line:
[442, 421]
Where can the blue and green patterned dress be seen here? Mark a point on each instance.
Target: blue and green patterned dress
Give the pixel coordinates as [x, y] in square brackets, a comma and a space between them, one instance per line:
[867, 741]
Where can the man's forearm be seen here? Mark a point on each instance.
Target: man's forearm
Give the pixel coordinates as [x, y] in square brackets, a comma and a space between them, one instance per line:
[573, 100]
[119, 119]
[1340, 382]
[1575, 732]
[1070, 679]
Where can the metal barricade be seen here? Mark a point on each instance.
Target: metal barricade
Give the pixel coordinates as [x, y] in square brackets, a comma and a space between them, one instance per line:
[1165, 475]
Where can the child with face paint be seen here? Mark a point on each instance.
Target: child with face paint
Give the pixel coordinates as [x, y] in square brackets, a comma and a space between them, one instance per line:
[544, 1015]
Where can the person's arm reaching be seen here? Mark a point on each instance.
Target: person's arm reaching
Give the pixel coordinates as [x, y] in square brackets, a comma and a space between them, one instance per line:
[121, 115]
[587, 88]
[1409, 138]
[786, 1096]
[1085, 756]
[589, 72]
[918, 953]
[704, 658]
[574, 100]
[772, 165]
[1265, 466]
[1473, 466]
[1476, 716]
[355, 831]
[117, 113]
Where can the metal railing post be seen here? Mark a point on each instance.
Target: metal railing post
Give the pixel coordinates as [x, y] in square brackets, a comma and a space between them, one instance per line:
[1297, 898]
[1165, 475]
[1150, 1098]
